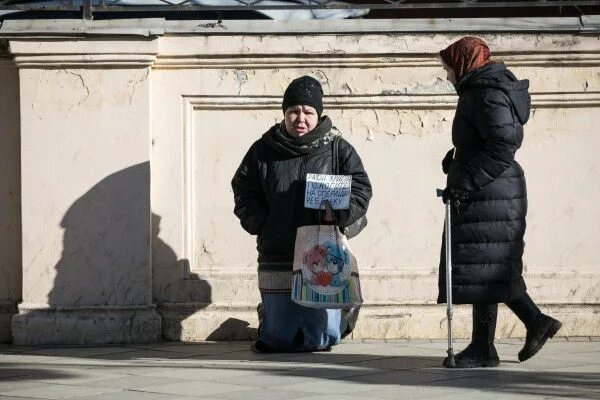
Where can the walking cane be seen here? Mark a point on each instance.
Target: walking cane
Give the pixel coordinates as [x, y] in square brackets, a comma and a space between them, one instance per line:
[448, 244]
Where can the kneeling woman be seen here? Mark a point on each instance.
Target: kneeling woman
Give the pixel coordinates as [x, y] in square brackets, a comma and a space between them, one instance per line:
[487, 187]
[269, 190]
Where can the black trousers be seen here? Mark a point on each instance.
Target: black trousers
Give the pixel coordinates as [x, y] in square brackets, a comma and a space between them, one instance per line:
[485, 316]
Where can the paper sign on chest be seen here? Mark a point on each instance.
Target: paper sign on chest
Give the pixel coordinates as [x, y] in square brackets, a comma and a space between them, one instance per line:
[334, 188]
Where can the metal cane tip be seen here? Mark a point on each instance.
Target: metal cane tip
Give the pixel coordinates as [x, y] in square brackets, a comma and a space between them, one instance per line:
[451, 362]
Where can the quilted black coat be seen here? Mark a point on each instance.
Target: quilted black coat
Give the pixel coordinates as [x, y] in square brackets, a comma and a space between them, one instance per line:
[487, 231]
[269, 188]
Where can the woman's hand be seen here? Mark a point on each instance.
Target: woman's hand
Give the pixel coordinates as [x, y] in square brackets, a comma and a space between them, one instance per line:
[329, 217]
[456, 198]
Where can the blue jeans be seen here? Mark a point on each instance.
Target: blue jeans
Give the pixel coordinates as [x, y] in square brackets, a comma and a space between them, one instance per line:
[287, 326]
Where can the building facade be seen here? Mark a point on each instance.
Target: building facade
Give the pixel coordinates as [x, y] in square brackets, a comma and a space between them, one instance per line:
[118, 142]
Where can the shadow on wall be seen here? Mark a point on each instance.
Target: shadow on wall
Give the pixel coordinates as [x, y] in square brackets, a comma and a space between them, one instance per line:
[105, 258]
[177, 291]
[106, 255]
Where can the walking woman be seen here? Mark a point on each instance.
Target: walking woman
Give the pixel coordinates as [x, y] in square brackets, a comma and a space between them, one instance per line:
[486, 187]
[269, 188]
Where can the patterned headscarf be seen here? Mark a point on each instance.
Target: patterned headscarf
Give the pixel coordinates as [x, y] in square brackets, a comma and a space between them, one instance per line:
[466, 55]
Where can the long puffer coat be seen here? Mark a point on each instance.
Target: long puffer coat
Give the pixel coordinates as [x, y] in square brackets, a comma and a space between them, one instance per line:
[269, 188]
[488, 230]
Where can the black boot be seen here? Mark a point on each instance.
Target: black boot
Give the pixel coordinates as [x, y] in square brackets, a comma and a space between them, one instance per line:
[348, 320]
[540, 327]
[481, 351]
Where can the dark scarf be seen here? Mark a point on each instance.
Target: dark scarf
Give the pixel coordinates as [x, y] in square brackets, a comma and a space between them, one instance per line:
[466, 55]
[280, 140]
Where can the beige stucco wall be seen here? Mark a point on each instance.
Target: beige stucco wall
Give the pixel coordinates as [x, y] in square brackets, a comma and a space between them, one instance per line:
[185, 108]
[388, 96]
[85, 187]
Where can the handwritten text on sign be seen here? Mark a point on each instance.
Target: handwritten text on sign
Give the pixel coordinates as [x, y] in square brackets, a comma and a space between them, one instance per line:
[335, 188]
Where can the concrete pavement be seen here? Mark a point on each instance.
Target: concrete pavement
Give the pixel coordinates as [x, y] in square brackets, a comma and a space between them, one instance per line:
[567, 368]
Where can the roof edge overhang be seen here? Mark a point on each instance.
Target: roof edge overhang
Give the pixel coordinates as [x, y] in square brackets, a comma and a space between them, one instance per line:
[152, 27]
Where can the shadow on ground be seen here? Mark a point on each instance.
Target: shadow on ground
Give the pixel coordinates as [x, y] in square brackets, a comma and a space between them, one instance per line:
[233, 329]
[24, 374]
[369, 368]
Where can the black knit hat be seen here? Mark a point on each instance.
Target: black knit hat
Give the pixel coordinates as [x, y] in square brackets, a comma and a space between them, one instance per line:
[304, 91]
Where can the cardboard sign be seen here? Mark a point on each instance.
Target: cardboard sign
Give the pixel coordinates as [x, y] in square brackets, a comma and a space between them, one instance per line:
[335, 188]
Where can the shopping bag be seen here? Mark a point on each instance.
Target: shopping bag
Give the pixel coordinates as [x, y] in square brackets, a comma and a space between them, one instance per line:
[325, 273]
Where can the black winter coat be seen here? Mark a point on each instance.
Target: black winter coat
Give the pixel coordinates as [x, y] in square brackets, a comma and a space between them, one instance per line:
[269, 190]
[487, 233]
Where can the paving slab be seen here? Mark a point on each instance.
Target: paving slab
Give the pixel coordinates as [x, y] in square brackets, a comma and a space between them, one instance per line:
[514, 384]
[24, 373]
[204, 348]
[543, 363]
[337, 357]
[333, 387]
[55, 392]
[399, 363]
[580, 369]
[131, 382]
[590, 357]
[79, 351]
[334, 371]
[194, 388]
[378, 370]
[130, 395]
[418, 377]
[7, 386]
[79, 376]
[342, 397]
[17, 398]
[481, 395]
[201, 373]
[263, 394]
[408, 392]
[135, 355]
[390, 350]
[9, 348]
[269, 380]
[571, 347]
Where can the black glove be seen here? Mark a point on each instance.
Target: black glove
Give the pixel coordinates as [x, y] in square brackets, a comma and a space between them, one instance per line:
[447, 160]
[457, 198]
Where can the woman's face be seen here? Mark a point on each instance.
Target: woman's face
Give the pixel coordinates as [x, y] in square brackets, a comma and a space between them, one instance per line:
[451, 75]
[299, 120]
